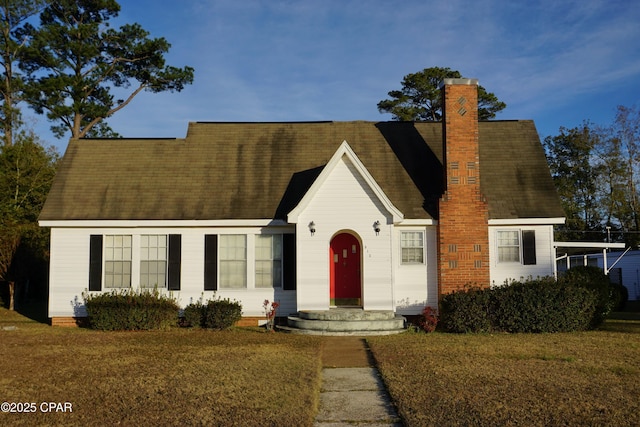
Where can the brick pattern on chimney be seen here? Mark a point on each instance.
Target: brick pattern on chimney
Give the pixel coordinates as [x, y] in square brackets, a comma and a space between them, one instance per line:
[463, 235]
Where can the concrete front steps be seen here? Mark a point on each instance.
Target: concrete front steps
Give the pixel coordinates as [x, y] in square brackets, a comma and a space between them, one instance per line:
[345, 321]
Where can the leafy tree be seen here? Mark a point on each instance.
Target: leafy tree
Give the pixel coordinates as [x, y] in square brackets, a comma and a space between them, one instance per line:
[26, 173]
[571, 159]
[74, 60]
[419, 98]
[13, 14]
[9, 242]
[621, 150]
[612, 191]
[596, 170]
[102, 130]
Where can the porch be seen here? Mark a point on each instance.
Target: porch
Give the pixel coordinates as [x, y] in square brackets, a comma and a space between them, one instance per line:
[345, 321]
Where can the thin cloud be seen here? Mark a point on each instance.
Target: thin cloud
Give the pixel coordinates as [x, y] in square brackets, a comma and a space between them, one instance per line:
[334, 60]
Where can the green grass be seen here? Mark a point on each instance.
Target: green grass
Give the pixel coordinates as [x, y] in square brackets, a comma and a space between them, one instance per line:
[570, 379]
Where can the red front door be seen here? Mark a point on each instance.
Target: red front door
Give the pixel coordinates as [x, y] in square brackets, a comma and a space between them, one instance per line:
[346, 288]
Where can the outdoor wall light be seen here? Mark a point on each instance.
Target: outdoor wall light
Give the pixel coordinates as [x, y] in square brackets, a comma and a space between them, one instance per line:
[312, 228]
[376, 227]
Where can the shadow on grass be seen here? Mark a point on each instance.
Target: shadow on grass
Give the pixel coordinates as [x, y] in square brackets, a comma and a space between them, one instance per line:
[627, 321]
[30, 304]
[631, 312]
[620, 325]
[35, 310]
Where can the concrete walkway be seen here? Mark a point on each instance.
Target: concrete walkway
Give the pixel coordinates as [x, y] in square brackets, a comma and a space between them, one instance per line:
[352, 393]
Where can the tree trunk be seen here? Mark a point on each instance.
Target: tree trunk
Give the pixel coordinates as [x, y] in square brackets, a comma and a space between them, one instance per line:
[12, 291]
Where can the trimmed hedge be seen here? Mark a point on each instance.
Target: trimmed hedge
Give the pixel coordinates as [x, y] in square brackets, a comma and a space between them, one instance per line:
[542, 305]
[580, 300]
[130, 310]
[215, 314]
[193, 315]
[466, 311]
[593, 278]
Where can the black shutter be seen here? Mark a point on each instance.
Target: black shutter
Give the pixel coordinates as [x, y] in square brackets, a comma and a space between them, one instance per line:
[175, 259]
[95, 262]
[211, 262]
[289, 262]
[529, 247]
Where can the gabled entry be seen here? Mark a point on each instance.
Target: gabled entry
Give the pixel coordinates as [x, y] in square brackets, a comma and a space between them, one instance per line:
[346, 266]
[345, 152]
[335, 221]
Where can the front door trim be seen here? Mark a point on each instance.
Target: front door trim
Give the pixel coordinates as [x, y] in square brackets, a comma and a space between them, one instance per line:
[345, 261]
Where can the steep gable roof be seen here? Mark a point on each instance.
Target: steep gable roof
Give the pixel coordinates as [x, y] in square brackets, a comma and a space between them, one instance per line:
[263, 170]
[345, 151]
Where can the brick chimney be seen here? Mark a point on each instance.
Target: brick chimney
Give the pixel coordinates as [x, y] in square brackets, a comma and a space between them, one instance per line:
[463, 235]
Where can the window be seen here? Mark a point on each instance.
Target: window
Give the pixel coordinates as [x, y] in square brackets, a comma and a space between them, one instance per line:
[153, 261]
[269, 261]
[412, 244]
[110, 259]
[510, 242]
[117, 261]
[508, 246]
[233, 261]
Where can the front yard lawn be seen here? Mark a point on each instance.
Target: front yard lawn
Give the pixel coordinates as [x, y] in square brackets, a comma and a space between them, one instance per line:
[239, 377]
[252, 378]
[569, 379]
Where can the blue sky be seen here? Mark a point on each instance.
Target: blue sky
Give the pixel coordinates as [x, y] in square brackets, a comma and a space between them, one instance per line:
[558, 62]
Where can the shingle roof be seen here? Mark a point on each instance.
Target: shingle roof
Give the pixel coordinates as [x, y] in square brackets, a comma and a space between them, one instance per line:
[262, 170]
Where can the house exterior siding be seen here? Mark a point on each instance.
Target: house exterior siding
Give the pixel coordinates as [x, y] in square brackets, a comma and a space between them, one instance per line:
[413, 286]
[344, 203]
[69, 271]
[70, 268]
[416, 285]
[544, 252]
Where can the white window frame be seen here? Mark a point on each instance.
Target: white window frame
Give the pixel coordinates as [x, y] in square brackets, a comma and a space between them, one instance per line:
[411, 249]
[232, 260]
[500, 246]
[154, 252]
[117, 257]
[268, 266]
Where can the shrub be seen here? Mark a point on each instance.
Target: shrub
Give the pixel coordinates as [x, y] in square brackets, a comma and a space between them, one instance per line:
[428, 319]
[466, 311]
[535, 305]
[213, 314]
[130, 310]
[193, 315]
[222, 314]
[593, 278]
[541, 305]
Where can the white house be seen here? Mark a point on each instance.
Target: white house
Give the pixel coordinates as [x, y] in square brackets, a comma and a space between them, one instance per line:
[376, 215]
